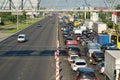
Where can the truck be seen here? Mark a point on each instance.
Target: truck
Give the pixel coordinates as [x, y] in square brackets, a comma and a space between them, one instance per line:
[102, 39]
[112, 64]
[77, 31]
[99, 27]
[71, 19]
[89, 24]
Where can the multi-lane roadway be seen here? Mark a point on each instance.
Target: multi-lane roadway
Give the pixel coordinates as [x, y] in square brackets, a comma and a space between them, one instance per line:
[34, 59]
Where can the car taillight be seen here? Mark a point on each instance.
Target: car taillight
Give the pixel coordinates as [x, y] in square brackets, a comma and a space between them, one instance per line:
[100, 68]
[96, 79]
[78, 79]
[71, 62]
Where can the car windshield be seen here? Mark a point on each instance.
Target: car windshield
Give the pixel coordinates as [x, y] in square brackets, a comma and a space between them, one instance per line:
[94, 47]
[87, 75]
[74, 57]
[80, 63]
[100, 54]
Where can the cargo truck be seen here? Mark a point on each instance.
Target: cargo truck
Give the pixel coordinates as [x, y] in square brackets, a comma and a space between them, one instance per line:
[99, 27]
[103, 39]
[112, 64]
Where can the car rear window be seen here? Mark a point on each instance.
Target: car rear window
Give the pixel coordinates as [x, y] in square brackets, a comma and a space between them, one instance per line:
[87, 75]
[74, 49]
[21, 36]
[80, 63]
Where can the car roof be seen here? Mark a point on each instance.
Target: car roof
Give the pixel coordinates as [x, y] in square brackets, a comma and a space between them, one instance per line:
[85, 69]
[21, 35]
[80, 60]
[74, 55]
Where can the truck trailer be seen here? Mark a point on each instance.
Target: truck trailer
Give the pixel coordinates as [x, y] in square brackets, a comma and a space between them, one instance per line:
[99, 27]
[112, 64]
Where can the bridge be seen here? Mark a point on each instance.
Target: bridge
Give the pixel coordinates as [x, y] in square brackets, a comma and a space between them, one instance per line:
[36, 5]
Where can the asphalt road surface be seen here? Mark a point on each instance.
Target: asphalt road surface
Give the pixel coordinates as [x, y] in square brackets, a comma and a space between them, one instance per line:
[33, 59]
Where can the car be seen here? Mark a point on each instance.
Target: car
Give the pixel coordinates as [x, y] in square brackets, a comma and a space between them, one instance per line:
[72, 57]
[73, 50]
[86, 73]
[21, 38]
[100, 67]
[78, 36]
[96, 57]
[91, 47]
[109, 46]
[39, 25]
[85, 41]
[66, 34]
[68, 38]
[78, 63]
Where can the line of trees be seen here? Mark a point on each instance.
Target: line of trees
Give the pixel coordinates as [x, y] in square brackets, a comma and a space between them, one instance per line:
[9, 18]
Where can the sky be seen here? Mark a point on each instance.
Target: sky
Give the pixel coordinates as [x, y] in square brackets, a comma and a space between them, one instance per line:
[60, 4]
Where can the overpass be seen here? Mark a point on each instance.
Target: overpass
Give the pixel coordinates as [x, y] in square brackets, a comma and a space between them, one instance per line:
[35, 5]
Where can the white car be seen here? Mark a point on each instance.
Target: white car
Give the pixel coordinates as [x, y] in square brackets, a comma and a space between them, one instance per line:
[77, 63]
[72, 57]
[21, 38]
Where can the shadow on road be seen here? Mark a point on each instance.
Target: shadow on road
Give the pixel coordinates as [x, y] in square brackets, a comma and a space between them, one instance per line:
[30, 53]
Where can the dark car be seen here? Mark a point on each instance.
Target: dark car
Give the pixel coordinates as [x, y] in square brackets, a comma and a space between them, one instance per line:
[39, 25]
[68, 38]
[73, 50]
[109, 46]
[66, 34]
[97, 56]
[86, 73]
[78, 36]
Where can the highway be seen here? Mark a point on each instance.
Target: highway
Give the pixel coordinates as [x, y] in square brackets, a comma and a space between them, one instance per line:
[32, 60]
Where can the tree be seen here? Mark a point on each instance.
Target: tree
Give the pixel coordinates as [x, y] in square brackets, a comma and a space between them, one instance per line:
[118, 7]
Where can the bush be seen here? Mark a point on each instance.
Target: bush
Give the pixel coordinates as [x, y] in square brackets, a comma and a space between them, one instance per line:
[2, 23]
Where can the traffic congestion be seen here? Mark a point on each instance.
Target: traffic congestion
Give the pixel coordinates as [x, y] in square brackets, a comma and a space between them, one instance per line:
[86, 49]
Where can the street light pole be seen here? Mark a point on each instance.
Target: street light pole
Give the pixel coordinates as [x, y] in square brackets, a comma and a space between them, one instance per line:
[17, 20]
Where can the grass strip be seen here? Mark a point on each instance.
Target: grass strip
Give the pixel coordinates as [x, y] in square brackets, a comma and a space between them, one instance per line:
[21, 26]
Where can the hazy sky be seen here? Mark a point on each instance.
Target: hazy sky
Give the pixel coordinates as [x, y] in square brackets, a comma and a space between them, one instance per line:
[60, 4]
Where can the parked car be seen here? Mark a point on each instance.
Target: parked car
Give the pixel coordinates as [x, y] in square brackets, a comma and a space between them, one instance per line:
[78, 63]
[72, 57]
[21, 38]
[96, 57]
[100, 67]
[86, 73]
